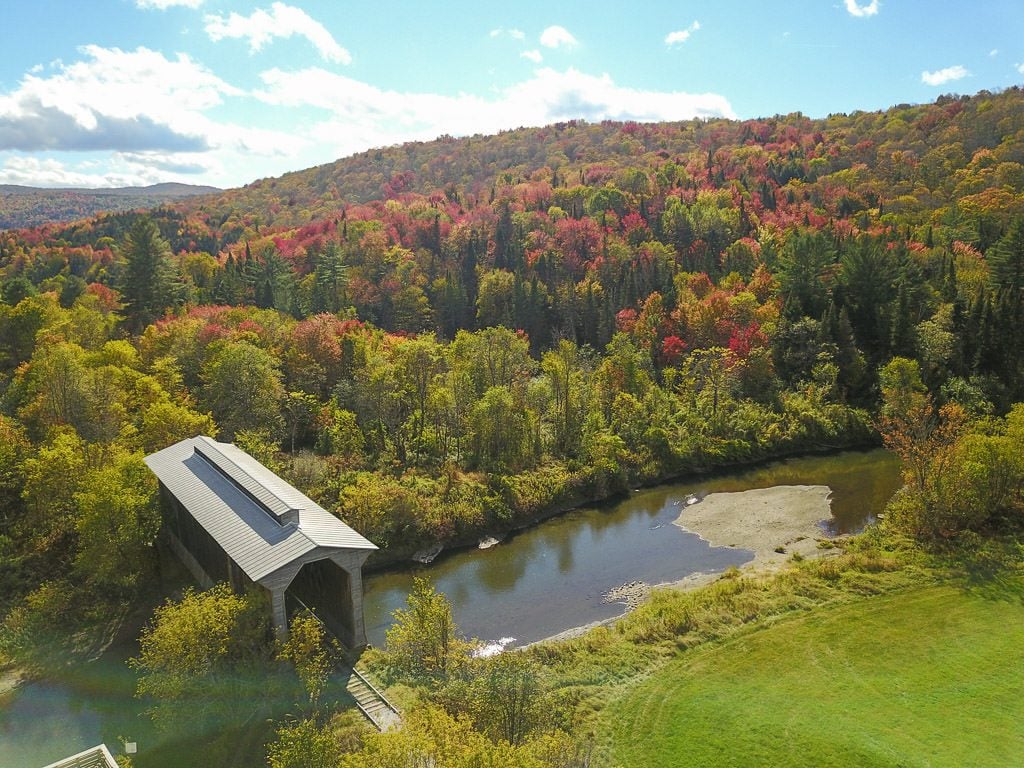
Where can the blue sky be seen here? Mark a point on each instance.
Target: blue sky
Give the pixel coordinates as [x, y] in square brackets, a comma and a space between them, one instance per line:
[222, 92]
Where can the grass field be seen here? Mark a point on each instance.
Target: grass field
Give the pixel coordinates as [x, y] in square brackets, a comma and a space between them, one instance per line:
[925, 677]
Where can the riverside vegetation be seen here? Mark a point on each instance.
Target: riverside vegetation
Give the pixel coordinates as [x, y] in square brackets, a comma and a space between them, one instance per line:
[445, 339]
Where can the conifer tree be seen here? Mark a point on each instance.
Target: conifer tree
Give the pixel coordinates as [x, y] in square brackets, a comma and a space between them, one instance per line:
[1006, 259]
[149, 282]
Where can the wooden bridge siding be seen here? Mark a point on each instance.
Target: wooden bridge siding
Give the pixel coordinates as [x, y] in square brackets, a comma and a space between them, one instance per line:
[278, 582]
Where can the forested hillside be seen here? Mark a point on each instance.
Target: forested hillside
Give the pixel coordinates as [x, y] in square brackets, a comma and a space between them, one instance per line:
[33, 206]
[442, 339]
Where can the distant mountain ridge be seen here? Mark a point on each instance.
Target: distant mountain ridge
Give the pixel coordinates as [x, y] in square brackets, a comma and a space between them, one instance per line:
[168, 188]
[956, 162]
[22, 206]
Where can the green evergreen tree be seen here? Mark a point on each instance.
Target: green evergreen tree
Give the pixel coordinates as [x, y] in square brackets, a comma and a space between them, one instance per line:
[271, 278]
[331, 281]
[902, 337]
[949, 286]
[869, 276]
[803, 266]
[1006, 259]
[149, 282]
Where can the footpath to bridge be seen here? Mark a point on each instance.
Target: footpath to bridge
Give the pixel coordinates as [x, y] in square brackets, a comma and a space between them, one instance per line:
[371, 702]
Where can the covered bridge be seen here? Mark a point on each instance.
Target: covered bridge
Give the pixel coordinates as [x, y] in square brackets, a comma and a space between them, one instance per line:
[97, 757]
[231, 519]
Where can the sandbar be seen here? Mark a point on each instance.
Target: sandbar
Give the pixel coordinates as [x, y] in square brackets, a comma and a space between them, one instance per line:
[764, 520]
[773, 523]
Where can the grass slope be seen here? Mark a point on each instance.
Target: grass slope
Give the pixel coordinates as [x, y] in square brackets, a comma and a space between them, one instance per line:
[927, 677]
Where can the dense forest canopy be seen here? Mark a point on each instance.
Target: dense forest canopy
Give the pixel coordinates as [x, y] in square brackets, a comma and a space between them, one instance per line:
[441, 339]
[540, 226]
[545, 314]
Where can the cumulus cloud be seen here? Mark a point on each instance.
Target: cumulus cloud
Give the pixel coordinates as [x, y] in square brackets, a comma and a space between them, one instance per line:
[861, 11]
[177, 164]
[680, 36]
[118, 169]
[163, 5]
[46, 172]
[533, 55]
[50, 128]
[113, 99]
[361, 116]
[943, 76]
[556, 37]
[49, 172]
[144, 114]
[281, 21]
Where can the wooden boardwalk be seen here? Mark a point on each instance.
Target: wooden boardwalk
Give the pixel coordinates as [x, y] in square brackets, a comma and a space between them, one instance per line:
[371, 702]
[381, 713]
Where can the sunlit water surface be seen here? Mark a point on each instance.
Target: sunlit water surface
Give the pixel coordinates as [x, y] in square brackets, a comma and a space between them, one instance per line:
[532, 585]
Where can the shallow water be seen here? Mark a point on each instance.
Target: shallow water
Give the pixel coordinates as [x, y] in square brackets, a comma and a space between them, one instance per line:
[532, 585]
[47, 720]
[551, 577]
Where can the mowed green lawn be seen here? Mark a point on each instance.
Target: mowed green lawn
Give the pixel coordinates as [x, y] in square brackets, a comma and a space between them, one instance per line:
[929, 677]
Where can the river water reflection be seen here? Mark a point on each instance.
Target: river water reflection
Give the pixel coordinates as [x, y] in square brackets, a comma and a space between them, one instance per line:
[534, 584]
[551, 578]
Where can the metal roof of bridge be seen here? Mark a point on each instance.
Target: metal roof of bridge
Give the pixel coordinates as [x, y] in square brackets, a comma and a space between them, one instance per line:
[248, 510]
[97, 757]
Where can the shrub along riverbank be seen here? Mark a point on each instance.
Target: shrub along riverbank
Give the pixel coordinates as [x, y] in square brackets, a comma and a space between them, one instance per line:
[671, 621]
[418, 510]
[875, 624]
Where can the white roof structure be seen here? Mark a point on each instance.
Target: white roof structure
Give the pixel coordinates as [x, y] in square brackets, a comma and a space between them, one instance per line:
[97, 757]
[258, 519]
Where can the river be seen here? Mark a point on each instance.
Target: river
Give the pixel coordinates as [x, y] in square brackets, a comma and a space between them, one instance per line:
[549, 578]
[532, 585]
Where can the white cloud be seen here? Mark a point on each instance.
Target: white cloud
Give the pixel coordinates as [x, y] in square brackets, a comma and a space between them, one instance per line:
[112, 99]
[159, 164]
[862, 11]
[680, 36]
[943, 76]
[122, 171]
[556, 36]
[44, 172]
[163, 5]
[141, 115]
[120, 118]
[361, 116]
[1020, 68]
[282, 21]
[994, 52]
[533, 55]
[515, 34]
[118, 169]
